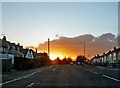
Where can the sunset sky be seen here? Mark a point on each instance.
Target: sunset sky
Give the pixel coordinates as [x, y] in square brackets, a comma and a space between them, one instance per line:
[33, 23]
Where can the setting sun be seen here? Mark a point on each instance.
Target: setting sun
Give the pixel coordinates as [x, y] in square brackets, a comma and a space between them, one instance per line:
[53, 57]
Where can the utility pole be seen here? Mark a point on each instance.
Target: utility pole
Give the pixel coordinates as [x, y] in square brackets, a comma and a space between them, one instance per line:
[48, 46]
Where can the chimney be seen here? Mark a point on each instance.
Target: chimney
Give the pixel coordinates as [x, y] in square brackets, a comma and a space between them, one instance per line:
[114, 48]
[4, 38]
[18, 44]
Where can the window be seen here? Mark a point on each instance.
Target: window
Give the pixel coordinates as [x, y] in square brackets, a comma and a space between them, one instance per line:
[3, 50]
[30, 55]
[114, 54]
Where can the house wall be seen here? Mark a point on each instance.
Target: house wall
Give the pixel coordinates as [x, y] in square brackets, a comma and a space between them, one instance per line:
[107, 58]
[118, 56]
[110, 58]
[5, 50]
[29, 55]
[7, 56]
[12, 58]
[1, 49]
[104, 59]
[96, 60]
[114, 57]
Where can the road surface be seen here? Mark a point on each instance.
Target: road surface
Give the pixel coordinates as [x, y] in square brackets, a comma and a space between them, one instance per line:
[67, 75]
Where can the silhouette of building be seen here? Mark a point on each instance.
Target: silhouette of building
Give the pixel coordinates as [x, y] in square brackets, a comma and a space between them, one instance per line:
[15, 55]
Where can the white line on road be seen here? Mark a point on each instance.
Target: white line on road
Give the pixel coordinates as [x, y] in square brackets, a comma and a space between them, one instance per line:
[111, 78]
[42, 82]
[90, 71]
[20, 78]
[115, 69]
[95, 72]
[30, 85]
[54, 69]
[100, 67]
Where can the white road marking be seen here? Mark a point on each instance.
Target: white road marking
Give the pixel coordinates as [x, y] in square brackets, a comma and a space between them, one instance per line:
[111, 78]
[90, 71]
[42, 82]
[114, 69]
[20, 78]
[54, 69]
[95, 72]
[30, 85]
[100, 67]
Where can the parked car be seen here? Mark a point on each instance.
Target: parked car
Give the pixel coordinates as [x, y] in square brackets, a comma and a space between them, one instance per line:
[78, 63]
[71, 63]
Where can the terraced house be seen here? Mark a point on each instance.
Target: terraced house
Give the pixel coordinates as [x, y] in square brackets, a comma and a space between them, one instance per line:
[15, 56]
[111, 58]
[10, 50]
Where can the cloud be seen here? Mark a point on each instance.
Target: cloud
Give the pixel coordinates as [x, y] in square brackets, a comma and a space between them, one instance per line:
[73, 46]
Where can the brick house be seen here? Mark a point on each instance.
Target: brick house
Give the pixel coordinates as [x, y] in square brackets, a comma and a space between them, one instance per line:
[10, 50]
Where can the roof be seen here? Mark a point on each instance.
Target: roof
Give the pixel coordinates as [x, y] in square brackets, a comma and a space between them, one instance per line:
[25, 51]
[3, 43]
[34, 53]
[6, 44]
[118, 49]
[43, 54]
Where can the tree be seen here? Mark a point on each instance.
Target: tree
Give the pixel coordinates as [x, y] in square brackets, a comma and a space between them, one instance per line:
[69, 59]
[44, 59]
[81, 59]
[56, 61]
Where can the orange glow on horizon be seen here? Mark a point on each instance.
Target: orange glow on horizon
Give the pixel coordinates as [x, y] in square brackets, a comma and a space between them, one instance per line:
[61, 57]
[54, 56]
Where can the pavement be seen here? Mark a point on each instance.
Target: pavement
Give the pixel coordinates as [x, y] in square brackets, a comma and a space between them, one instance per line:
[63, 76]
[6, 76]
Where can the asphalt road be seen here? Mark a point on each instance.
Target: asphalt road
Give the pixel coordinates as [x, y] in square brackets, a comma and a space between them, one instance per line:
[67, 75]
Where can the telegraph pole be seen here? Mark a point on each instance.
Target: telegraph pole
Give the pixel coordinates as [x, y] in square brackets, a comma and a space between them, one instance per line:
[48, 46]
